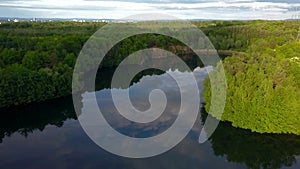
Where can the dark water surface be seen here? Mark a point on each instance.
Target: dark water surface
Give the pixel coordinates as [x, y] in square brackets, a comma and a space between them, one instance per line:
[48, 135]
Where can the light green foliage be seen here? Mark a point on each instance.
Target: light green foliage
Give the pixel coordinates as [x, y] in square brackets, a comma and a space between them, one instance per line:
[263, 88]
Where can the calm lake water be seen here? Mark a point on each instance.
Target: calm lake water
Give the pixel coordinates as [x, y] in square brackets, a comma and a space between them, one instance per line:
[48, 135]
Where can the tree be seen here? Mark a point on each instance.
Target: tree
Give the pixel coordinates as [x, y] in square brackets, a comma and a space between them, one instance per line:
[263, 91]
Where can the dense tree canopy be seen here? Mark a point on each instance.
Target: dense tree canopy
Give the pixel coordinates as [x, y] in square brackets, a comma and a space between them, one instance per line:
[263, 87]
[37, 59]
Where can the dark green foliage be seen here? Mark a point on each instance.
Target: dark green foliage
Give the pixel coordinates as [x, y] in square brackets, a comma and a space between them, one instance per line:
[238, 35]
[37, 59]
[9, 56]
[21, 85]
[40, 56]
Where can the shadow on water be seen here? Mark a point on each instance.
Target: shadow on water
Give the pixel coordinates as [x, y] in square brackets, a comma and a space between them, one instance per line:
[266, 151]
[36, 116]
[228, 147]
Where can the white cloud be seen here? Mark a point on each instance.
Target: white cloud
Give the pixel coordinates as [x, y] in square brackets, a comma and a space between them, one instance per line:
[196, 9]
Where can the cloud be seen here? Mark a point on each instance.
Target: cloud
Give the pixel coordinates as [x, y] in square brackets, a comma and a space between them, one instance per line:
[116, 9]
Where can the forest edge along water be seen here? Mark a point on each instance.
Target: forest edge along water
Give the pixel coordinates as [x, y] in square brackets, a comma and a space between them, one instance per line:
[50, 131]
[46, 52]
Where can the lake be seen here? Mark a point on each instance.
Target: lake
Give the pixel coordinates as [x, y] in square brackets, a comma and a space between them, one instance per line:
[48, 135]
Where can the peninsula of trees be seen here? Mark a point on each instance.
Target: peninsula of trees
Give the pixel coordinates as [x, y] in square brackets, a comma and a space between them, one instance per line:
[263, 75]
[263, 84]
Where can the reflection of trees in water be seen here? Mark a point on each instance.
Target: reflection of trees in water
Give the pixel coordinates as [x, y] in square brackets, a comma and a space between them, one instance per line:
[266, 151]
[25, 119]
[36, 116]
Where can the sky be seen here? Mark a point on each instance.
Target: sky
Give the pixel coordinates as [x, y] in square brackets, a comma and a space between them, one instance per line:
[182, 9]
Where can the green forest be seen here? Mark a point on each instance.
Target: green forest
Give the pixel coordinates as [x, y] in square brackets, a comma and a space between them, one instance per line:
[37, 59]
[263, 83]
